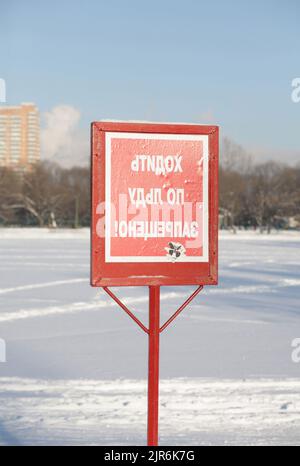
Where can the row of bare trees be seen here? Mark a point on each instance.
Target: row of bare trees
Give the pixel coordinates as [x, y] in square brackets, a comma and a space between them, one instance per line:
[251, 195]
[267, 196]
[49, 195]
[262, 195]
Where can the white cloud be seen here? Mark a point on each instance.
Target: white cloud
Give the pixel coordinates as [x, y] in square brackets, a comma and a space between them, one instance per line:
[62, 140]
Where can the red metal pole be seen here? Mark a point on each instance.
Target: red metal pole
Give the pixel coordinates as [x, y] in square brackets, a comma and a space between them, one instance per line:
[153, 367]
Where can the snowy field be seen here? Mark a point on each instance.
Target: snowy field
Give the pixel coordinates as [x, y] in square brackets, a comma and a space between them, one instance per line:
[77, 365]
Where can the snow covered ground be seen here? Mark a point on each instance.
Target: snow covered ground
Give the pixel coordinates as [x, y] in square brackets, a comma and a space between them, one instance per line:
[77, 365]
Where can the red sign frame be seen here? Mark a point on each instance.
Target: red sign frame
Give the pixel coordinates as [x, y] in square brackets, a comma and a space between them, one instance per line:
[104, 273]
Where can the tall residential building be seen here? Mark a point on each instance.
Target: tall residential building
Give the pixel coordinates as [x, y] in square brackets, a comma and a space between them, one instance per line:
[19, 136]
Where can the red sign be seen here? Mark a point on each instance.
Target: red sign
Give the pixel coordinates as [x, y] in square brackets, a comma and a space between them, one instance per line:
[154, 204]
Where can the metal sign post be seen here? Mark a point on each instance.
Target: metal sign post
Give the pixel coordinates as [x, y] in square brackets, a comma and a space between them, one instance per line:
[154, 219]
[153, 332]
[153, 364]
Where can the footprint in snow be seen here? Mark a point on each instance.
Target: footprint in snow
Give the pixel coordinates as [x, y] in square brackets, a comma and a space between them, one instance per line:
[285, 406]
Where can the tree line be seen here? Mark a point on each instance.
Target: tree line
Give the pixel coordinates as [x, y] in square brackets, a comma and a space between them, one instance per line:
[265, 195]
[48, 195]
[257, 195]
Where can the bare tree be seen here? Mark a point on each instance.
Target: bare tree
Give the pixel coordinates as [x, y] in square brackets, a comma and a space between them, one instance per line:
[265, 194]
[234, 158]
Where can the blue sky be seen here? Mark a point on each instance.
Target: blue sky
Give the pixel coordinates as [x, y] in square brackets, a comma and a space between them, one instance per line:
[224, 62]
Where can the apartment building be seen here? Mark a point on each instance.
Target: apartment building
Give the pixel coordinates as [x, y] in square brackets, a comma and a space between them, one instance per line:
[19, 136]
